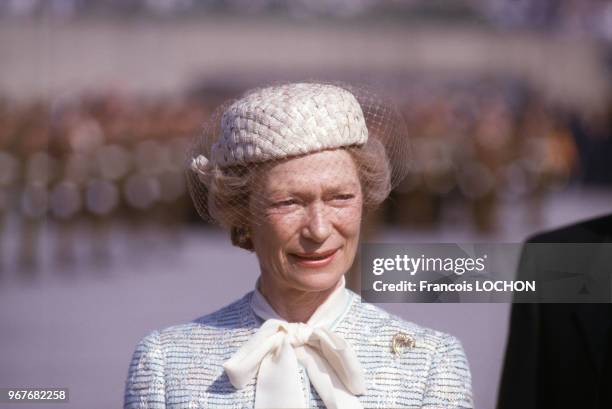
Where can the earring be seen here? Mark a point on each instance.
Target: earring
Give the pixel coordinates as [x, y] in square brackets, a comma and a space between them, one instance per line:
[244, 235]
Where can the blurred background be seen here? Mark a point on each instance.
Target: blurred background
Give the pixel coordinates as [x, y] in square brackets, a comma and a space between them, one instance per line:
[507, 103]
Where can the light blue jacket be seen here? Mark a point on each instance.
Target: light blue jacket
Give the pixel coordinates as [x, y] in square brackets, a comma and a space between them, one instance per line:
[181, 366]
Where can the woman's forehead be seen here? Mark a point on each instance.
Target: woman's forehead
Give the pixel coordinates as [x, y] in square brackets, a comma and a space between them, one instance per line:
[327, 169]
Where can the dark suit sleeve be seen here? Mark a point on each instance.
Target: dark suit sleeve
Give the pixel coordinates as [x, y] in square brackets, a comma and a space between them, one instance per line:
[553, 350]
[519, 382]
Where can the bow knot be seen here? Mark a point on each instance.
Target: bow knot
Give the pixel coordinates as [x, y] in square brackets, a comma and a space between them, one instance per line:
[299, 333]
[274, 354]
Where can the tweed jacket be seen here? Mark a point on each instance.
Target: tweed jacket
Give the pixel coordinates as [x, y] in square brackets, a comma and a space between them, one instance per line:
[181, 367]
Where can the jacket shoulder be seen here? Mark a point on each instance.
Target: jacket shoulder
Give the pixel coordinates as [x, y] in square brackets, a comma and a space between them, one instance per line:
[380, 323]
[597, 230]
[233, 318]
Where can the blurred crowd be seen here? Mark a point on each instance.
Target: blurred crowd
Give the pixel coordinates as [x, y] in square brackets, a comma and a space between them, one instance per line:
[92, 160]
[111, 158]
[481, 145]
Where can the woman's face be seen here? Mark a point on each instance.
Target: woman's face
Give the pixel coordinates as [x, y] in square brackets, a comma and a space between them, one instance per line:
[309, 216]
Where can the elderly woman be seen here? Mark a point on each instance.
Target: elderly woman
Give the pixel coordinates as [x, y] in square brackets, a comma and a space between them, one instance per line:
[290, 172]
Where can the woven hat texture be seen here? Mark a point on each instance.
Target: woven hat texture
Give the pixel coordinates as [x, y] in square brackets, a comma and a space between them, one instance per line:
[288, 120]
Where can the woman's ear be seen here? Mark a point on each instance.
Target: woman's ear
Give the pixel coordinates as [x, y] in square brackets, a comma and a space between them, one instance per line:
[241, 237]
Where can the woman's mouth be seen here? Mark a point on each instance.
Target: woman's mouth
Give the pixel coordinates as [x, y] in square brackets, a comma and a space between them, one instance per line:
[315, 259]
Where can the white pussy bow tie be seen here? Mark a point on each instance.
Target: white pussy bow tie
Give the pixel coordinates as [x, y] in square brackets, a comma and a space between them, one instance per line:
[276, 350]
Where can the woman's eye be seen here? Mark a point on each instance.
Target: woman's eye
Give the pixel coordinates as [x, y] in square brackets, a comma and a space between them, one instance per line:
[283, 203]
[343, 197]
[346, 196]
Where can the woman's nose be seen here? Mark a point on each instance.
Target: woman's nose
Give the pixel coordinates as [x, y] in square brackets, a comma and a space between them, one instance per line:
[318, 226]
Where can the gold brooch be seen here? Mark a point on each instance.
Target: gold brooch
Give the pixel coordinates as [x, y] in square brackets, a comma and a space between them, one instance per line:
[401, 340]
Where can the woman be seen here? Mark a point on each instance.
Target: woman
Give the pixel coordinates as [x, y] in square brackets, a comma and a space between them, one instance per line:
[289, 170]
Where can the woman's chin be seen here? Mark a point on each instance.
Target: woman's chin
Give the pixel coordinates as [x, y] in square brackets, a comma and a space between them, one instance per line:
[316, 280]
